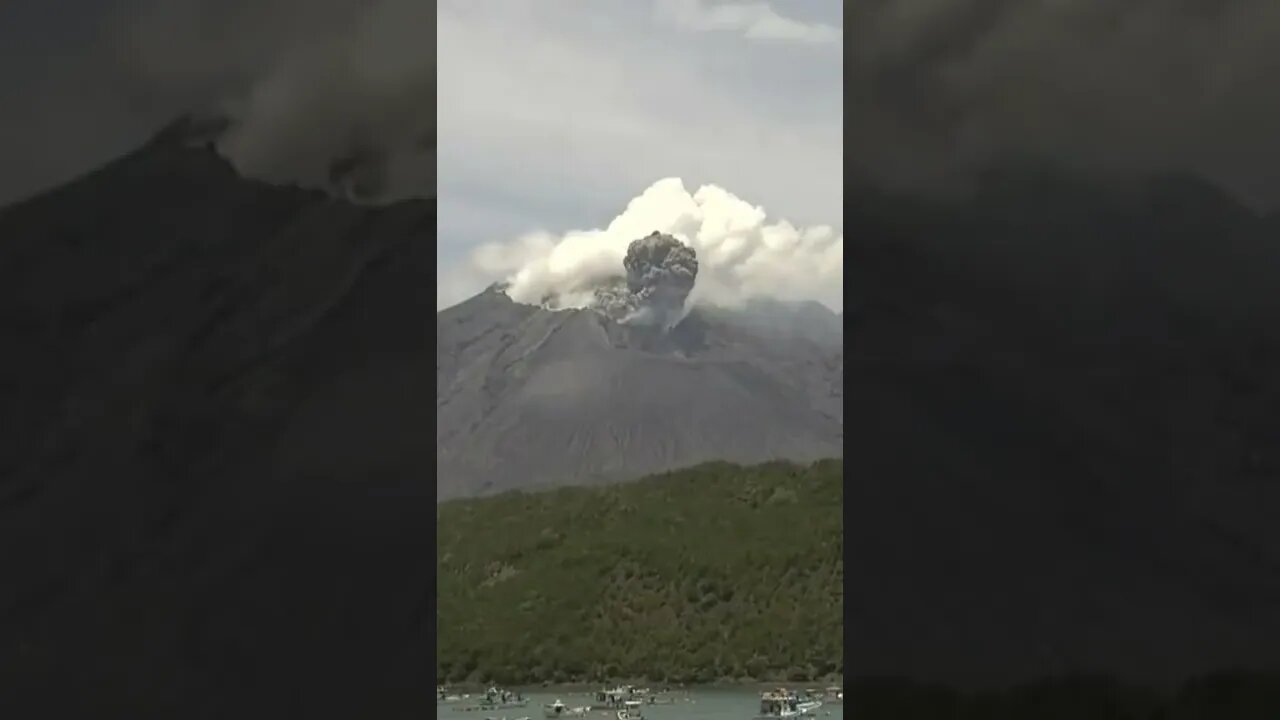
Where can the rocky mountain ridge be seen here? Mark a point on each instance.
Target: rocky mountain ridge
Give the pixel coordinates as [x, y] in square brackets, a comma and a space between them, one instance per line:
[530, 397]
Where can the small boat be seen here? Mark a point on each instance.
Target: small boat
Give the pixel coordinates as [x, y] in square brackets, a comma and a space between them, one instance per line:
[783, 703]
[497, 699]
[443, 695]
[558, 709]
[631, 710]
[834, 694]
[616, 697]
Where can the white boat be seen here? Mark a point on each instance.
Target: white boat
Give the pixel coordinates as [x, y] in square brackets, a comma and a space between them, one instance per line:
[558, 709]
[616, 697]
[496, 699]
[834, 694]
[631, 710]
[443, 695]
[785, 704]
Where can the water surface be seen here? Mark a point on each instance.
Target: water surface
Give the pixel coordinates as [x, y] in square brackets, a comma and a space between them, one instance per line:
[739, 704]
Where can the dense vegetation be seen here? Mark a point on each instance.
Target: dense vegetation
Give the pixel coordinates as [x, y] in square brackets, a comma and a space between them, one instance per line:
[711, 573]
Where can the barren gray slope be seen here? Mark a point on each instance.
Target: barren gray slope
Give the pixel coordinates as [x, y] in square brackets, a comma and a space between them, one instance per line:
[530, 397]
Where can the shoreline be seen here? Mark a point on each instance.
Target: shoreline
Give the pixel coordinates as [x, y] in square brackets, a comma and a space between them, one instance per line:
[656, 688]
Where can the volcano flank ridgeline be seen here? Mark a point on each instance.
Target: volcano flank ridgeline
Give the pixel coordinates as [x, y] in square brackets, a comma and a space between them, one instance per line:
[635, 382]
[215, 412]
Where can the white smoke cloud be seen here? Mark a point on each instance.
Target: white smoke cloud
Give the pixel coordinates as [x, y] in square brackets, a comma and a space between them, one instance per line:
[307, 82]
[742, 254]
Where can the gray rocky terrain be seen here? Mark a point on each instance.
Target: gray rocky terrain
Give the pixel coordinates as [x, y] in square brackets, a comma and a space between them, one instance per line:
[530, 397]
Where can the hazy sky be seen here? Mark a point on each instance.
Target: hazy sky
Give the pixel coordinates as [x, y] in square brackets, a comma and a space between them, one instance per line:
[939, 87]
[933, 86]
[553, 114]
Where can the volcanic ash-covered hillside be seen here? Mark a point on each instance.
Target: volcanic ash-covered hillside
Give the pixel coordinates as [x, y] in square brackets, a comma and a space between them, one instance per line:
[633, 383]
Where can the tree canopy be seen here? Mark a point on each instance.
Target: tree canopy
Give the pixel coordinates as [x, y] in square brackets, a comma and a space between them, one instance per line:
[717, 572]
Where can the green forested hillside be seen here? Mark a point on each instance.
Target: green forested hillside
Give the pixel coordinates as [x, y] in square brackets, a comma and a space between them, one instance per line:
[714, 572]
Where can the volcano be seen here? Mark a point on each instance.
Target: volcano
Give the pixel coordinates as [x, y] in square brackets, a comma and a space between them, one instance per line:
[529, 397]
[217, 478]
[217, 442]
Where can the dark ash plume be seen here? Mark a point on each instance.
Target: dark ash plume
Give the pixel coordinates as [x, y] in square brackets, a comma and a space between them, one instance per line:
[661, 272]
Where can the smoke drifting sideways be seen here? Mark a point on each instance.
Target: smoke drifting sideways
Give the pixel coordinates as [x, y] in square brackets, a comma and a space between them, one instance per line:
[324, 93]
[741, 254]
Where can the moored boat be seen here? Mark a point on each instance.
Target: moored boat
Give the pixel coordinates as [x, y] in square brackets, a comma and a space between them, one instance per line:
[498, 699]
[783, 703]
[615, 697]
[444, 696]
[631, 710]
[558, 709]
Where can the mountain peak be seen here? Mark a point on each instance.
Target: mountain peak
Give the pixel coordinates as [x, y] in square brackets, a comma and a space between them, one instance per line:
[192, 130]
[528, 396]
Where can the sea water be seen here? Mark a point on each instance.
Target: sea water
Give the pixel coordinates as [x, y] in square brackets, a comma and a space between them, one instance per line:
[737, 704]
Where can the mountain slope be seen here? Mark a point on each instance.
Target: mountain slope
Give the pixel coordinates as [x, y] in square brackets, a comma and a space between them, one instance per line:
[1062, 453]
[529, 397]
[217, 442]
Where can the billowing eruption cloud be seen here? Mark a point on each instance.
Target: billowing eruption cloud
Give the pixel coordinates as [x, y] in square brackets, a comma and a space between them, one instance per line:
[732, 252]
[661, 272]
